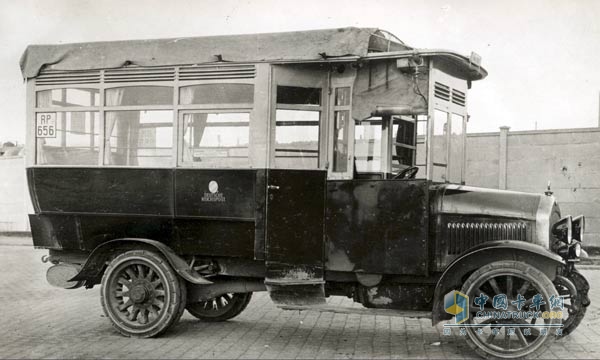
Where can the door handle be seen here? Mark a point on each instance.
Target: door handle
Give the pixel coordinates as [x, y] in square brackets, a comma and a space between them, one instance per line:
[272, 187]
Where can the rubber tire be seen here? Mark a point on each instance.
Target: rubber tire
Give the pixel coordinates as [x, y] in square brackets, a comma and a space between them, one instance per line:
[574, 323]
[173, 285]
[241, 302]
[518, 269]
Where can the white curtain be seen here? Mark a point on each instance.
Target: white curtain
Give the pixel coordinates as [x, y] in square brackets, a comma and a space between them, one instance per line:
[114, 97]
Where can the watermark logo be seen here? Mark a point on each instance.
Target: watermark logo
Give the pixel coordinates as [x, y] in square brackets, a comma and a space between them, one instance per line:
[457, 304]
[504, 312]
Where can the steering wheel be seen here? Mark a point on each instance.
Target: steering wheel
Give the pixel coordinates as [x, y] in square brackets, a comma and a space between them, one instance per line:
[406, 174]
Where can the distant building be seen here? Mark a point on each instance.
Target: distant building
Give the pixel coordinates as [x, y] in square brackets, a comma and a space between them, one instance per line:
[10, 149]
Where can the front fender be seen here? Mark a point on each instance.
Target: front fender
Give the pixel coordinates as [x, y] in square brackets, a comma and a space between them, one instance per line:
[94, 266]
[454, 275]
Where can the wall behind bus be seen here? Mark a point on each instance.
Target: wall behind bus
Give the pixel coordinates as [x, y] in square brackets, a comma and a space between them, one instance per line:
[527, 160]
[14, 196]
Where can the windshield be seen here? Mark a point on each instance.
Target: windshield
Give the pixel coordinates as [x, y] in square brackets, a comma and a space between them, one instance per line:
[388, 145]
[384, 146]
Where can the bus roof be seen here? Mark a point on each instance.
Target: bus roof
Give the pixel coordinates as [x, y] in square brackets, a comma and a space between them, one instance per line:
[297, 46]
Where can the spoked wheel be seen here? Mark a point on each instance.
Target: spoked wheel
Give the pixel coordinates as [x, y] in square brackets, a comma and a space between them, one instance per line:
[509, 338]
[141, 294]
[574, 307]
[220, 308]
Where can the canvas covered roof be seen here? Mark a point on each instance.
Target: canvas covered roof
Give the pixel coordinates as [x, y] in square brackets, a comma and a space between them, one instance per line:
[298, 45]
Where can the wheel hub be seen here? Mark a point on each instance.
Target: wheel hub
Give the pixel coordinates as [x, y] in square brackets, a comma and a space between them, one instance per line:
[139, 294]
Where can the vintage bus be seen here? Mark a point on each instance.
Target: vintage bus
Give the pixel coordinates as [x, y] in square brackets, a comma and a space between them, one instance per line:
[189, 173]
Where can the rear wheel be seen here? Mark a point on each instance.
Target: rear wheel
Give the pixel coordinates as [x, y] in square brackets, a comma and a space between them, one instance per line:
[141, 294]
[510, 337]
[220, 308]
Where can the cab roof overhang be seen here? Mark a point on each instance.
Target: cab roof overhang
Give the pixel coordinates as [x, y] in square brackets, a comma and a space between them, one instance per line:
[342, 44]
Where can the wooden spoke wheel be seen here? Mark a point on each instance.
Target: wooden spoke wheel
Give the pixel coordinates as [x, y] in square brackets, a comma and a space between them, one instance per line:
[220, 308]
[512, 337]
[141, 294]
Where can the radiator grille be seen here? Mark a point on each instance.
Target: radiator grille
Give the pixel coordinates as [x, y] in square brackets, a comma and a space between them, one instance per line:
[464, 235]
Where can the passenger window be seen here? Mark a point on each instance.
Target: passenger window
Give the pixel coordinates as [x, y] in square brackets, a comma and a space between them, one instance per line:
[297, 127]
[139, 95]
[217, 94]
[139, 138]
[216, 139]
[68, 97]
[75, 140]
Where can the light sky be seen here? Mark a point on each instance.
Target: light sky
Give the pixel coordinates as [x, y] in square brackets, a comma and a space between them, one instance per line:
[542, 56]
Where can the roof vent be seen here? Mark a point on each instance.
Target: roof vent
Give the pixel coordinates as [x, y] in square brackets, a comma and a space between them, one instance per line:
[458, 97]
[139, 74]
[57, 77]
[441, 91]
[220, 71]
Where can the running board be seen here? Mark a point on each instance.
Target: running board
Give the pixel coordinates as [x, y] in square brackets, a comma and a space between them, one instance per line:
[360, 311]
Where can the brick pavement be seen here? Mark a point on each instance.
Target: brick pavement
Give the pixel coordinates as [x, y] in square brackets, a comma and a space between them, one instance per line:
[39, 321]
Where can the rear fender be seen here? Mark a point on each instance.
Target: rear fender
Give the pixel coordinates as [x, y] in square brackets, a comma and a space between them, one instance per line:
[454, 275]
[94, 267]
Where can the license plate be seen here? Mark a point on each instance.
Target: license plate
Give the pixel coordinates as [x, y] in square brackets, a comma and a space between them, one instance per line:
[45, 125]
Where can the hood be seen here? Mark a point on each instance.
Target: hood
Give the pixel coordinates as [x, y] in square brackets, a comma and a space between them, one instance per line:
[473, 201]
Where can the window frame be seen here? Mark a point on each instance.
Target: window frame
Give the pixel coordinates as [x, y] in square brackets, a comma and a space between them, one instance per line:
[298, 107]
[345, 80]
[101, 108]
[180, 135]
[53, 109]
[448, 107]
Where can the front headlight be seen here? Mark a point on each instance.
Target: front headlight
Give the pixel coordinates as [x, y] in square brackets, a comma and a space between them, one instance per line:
[578, 228]
[568, 234]
[563, 230]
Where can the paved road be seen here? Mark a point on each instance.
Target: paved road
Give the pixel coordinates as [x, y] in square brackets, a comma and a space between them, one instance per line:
[39, 321]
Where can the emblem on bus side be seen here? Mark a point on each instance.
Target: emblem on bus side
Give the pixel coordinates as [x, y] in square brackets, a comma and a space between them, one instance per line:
[213, 194]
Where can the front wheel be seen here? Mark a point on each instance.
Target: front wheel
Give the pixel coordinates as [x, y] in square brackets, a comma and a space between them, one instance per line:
[575, 304]
[141, 294]
[510, 336]
[220, 308]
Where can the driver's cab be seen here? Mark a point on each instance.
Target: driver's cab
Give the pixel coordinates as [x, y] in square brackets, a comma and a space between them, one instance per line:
[380, 120]
[403, 127]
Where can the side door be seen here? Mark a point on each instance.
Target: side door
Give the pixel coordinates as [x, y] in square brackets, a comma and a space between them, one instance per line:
[295, 186]
[295, 236]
